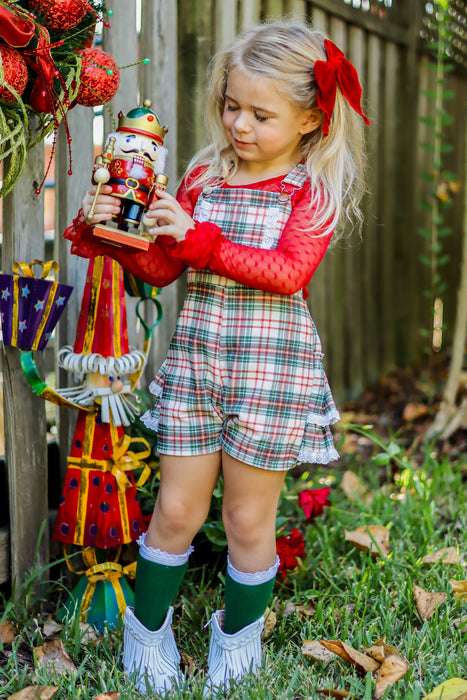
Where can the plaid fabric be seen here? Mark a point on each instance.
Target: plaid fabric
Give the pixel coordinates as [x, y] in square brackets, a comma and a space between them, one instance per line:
[244, 369]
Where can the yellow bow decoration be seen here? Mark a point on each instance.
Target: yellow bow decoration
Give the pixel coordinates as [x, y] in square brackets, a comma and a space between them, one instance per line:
[26, 270]
[107, 571]
[125, 461]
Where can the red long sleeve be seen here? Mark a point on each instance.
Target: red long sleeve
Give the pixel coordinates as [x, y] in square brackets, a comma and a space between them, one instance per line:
[153, 266]
[283, 270]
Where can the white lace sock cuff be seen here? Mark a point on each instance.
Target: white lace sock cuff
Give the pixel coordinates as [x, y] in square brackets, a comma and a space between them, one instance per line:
[158, 556]
[252, 579]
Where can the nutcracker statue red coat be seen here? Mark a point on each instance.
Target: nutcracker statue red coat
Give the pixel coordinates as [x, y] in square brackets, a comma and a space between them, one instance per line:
[132, 163]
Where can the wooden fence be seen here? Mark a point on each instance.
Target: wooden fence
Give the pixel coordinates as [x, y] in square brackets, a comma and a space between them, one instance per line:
[366, 298]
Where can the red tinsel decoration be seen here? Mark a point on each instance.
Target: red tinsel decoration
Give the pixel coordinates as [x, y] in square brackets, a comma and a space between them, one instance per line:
[60, 15]
[15, 72]
[100, 78]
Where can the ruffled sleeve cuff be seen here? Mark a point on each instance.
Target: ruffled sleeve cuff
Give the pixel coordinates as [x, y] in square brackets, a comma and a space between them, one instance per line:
[200, 247]
[82, 240]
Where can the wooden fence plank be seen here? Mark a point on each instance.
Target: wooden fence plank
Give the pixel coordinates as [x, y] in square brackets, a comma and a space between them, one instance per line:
[249, 14]
[372, 230]
[69, 191]
[159, 43]
[25, 421]
[225, 22]
[391, 125]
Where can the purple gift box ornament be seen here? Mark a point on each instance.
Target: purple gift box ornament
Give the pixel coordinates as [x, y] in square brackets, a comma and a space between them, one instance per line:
[30, 306]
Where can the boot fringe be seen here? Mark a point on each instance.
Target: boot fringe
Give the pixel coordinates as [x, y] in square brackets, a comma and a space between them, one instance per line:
[152, 656]
[231, 656]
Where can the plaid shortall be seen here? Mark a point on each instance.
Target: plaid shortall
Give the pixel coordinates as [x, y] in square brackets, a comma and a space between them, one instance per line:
[244, 369]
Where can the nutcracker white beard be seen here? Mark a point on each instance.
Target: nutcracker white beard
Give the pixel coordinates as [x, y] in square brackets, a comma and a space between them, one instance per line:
[106, 383]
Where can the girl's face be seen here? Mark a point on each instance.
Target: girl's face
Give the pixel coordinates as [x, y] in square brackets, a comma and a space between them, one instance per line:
[263, 127]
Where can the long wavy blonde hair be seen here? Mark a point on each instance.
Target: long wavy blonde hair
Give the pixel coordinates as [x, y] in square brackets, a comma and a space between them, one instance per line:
[285, 53]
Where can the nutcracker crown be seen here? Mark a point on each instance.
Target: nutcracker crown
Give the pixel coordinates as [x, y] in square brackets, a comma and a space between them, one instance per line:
[142, 120]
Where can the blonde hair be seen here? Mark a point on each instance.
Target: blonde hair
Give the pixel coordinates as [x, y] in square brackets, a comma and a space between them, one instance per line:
[285, 53]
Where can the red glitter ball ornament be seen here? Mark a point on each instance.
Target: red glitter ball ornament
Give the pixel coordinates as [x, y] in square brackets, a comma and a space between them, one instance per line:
[60, 15]
[100, 78]
[15, 72]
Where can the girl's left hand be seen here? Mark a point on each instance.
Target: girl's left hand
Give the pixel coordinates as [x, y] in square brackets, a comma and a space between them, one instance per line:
[171, 218]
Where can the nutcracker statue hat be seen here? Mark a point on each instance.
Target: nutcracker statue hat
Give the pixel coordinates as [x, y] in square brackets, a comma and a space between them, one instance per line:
[101, 343]
[142, 120]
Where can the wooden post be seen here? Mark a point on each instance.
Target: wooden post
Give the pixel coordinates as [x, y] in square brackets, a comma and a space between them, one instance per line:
[69, 191]
[158, 81]
[25, 422]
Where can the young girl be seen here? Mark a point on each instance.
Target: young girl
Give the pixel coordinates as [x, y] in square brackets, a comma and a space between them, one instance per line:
[242, 392]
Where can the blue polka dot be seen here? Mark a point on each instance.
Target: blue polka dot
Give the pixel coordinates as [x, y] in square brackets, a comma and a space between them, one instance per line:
[73, 483]
[104, 507]
[113, 532]
[64, 529]
[96, 481]
[108, 488]
[93, 530]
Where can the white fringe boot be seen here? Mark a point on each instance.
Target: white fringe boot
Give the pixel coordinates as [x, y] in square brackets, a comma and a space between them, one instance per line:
[152, 655]
[231, 656]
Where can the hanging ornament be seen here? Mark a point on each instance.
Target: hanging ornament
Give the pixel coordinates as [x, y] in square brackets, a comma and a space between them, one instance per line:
[60, 15]
[15, 74]
[100, 78]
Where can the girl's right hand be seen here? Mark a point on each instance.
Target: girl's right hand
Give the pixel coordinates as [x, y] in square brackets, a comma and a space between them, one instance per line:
[106, 205]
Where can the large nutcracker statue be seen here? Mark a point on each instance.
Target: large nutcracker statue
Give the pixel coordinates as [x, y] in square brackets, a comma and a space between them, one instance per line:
[132, 163]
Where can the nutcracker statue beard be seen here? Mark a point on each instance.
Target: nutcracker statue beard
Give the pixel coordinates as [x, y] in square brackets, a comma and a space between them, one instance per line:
[132, 163]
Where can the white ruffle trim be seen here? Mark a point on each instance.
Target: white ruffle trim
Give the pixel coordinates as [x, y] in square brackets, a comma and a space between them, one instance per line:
[322, 457]
[150, 421]
[155, 388]
[158, 556]
[328, 418]
[252, 579]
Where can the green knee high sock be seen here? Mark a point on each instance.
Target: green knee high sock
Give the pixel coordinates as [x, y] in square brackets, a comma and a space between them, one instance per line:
[244, 604]
[156, 586]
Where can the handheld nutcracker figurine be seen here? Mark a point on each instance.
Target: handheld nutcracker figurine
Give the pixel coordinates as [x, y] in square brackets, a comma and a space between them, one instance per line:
[132, 163]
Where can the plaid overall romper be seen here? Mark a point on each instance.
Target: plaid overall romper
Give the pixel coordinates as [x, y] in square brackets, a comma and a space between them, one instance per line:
[244, 369]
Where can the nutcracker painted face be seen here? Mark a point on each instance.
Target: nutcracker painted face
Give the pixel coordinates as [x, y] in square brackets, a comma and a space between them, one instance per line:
[132, 145]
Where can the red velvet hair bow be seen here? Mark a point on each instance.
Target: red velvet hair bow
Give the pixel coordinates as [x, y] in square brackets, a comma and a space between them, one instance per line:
[337, 69]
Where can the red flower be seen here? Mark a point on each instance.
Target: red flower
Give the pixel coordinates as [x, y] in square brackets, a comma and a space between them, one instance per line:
[313, 501]
[289, 548]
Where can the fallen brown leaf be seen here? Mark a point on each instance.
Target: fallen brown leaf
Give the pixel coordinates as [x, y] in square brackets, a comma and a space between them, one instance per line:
[380, 650]
[35, 692]
[459, 588]
[327, 692]
[188, 662]
[270, 620]
[50, 628]
[453, 689]
[412, 411]
[461, 621]
[52, 654]
[88, 633]
[7, 632]
[307, 610]
[316, 650]
[447, 555]
[354, 488]
[391, 670]
[361, 661]
[427, 602]
[115, 695]
[366, 537]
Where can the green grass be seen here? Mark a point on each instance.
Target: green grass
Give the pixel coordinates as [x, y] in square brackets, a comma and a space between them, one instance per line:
[357, 598]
